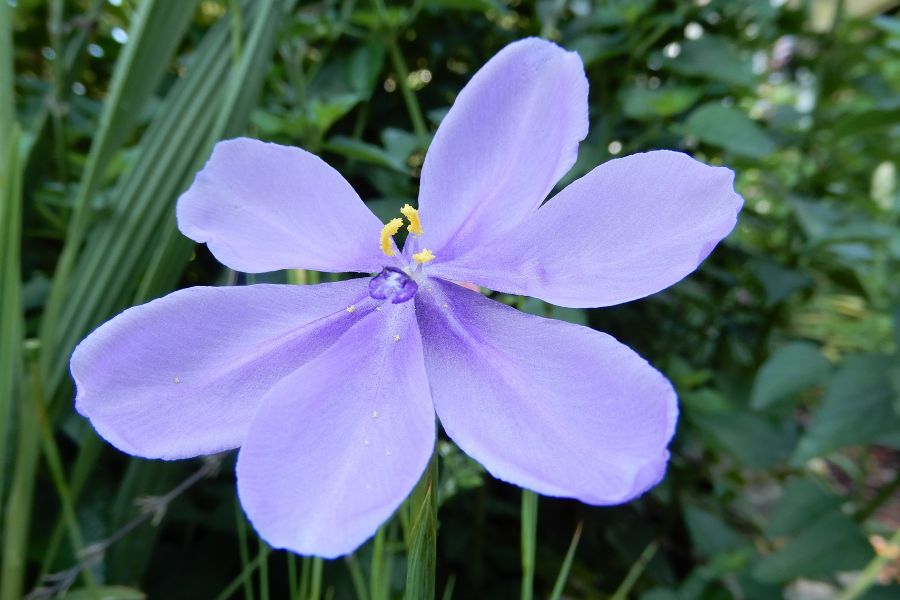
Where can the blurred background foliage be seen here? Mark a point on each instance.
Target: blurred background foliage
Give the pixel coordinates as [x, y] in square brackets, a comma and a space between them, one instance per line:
[783, 346]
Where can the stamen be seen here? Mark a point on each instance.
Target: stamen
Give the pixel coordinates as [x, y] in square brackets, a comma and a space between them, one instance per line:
[424, 256]
[389, 230]
[412, 215]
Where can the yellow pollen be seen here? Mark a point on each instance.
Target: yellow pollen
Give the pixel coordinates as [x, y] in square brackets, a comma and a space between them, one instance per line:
[389, 230]
[412, 215]
[424, 256]
[396, 338]
[351, 308]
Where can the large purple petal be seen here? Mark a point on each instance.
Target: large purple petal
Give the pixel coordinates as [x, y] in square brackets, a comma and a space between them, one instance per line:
[509, 137]
[553, 407]
[629, 228]
[339, 444]
[184, 375]
[263, 207]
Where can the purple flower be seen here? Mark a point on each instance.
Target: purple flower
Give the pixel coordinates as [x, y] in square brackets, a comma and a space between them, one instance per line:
[330, 391]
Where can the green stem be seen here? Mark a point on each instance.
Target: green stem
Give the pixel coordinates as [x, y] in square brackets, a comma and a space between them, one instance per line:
[242, 577]
[528, 518]
[17, 519]
[422, 549]
[869, 575]
[315, 591]
[635, 572]
[399, 64]
[57, 473]
[243, 548]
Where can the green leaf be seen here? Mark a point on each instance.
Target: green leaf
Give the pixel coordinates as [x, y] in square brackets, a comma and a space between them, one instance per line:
[790, 370]
[832, 544]
[727, 128]
[646, 104]
[779, 282]
[857, 408]
[712, 57]
[709, 533]
[110, 592]
[804, 502]
[422, 551]
[365, 152]
[752, 439]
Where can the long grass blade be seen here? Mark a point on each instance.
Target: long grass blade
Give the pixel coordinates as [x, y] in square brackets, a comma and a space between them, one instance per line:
[528, 518]
[155, 34]
[422, 552]
[561, 579]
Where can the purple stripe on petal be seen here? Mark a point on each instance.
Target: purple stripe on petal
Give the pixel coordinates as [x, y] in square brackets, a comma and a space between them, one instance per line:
[183, 375]
[338, 445]
[263, 207]
[630, 228]
[557, 408]
[509, 137]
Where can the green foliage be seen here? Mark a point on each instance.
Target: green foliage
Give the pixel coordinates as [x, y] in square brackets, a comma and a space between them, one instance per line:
[783, 346]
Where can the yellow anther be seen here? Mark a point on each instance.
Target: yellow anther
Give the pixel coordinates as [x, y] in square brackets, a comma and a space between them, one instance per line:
[424, 256]
[389, 230]
[412, 215]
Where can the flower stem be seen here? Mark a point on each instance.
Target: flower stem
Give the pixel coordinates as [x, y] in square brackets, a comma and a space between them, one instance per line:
[869, 575]
[422, 550]
[528, 518]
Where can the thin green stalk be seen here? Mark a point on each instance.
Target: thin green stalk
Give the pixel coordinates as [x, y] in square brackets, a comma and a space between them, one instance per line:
[58, 92]
[242, 577]
[315, 586]
[293, 588]
[57, 473]
[399, 64]
[528, 518]
[376, 571]
[635, 571]
[243, 547]
[869, 575]
[7, 90]
[422, 550]
[18, 508]
[263, 570]
[356, 577]
[305, 568]
[561, 579]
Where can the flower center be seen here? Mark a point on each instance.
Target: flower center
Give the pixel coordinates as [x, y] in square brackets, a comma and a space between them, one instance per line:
[414, 228]
[394, 285]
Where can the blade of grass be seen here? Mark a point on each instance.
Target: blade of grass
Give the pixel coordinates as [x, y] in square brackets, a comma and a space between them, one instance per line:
[154, 35]
[634, 573]
[57, 473]
[315, 584]
[528, 518]
[243, 547]
[7, 90]
[561, 579]
[422, 550]
[356, 577]
[10, 207]
[238, 581]
[376, 568]
[16, 518]
[19, 505]
[263, 570]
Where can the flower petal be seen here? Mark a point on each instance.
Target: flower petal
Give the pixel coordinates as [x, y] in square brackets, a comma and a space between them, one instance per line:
[509, 137]
[557, 408]
[629, 228]
[263, 207]
[338, 445]
[184, 375]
